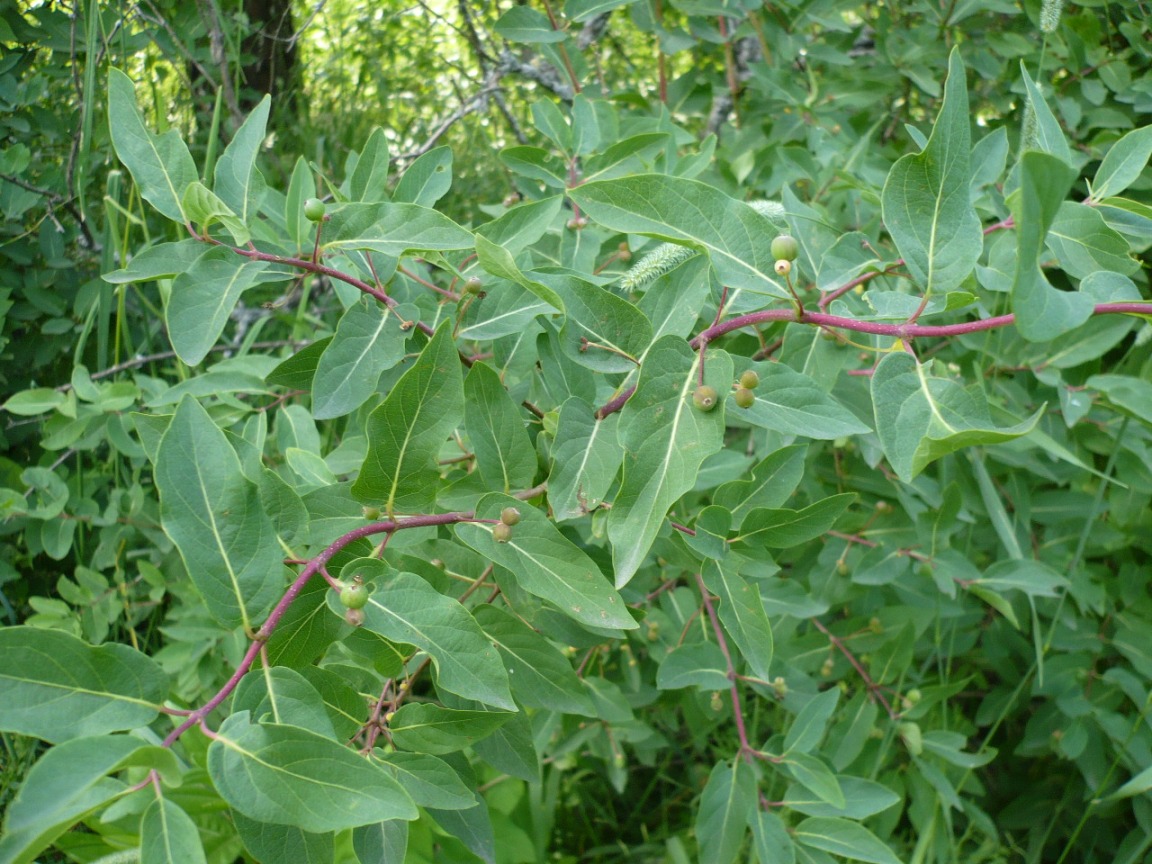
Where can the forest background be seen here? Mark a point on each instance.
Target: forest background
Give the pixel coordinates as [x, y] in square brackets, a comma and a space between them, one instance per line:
[568, 517]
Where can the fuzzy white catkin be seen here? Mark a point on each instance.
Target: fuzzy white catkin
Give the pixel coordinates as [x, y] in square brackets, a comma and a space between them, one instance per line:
[1050, 15]
[668, 256]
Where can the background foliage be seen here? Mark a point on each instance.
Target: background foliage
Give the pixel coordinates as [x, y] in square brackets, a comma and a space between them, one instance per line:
[895, 610]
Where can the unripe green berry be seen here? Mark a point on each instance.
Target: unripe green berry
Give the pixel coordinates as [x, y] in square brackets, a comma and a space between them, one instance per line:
[354, 595]
[473, 284]
[510, 516]
[705, 397]
[843, 569]
[370, 512]
[783, 267]
[314, 210]
[744, 397]
[355, 617]
[785, 248]
[716, 703]
[501, 532]
[750, 380]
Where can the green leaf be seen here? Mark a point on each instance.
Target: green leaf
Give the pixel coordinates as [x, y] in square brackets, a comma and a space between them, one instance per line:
[238, 182]
[169, 836]
[405, 608]
[1085, 244]
[665, 439]
[578, 11]
[784, 528]
[160, 164]
[162, 261]
[281, 695]
[927, 207]
[214, 516]
[202, 207]
[1123, 164]
[536, 163]
[298, 371]
[790, 402]
[426, 180]
[54, 687]
[39, 400]
[504, 454]
[771, 840]
[846, 839]
[430, 781]
[498, 261]
[742, 613]
[428, 728]
[67, 783]
[808, 727]
[406, 431]
[1137, 785]
[547, 565]
[920, 418]
[1131, 395]
[811, 773]
[382, 843]
[735, 237]
[1034, 578]
[290, 776]
[369, 180]
[523, 225]
[268, 842]
[604, 332]
[585, 460]
[523, 24]
[541, 677]
[1049, 137]
[370, 339]
[726, 805]
[300, 188]
[392, 229]
[773, 482]
[700, 664]
[203, 297]
[862, 798]
[1042, 312]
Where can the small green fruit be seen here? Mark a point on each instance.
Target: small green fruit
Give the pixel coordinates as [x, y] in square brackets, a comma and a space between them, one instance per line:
[501, 532]
[750, 380]
[744, 397]
[785, 248]
[370, 512]
[354, 595]
[314, 210]
[510, 516]
[473, 284]
[355, 617]
[783, 267]
[705, 397]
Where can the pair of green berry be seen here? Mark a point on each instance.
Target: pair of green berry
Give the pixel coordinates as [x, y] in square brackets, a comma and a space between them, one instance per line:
[502, 530]
[705, 398]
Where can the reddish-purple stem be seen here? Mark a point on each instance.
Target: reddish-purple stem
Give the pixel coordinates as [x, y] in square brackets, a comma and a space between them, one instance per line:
[314, 566]
[737, 709]
[899, 331]
[614, 404]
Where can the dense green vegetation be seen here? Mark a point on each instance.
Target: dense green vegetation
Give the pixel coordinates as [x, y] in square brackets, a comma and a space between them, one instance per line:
[447, 458]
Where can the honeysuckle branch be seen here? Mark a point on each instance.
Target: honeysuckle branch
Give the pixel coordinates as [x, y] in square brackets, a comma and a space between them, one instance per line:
[317, 565]
[734, 690]
[897, 331]
[320, 270]
[873, 687]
